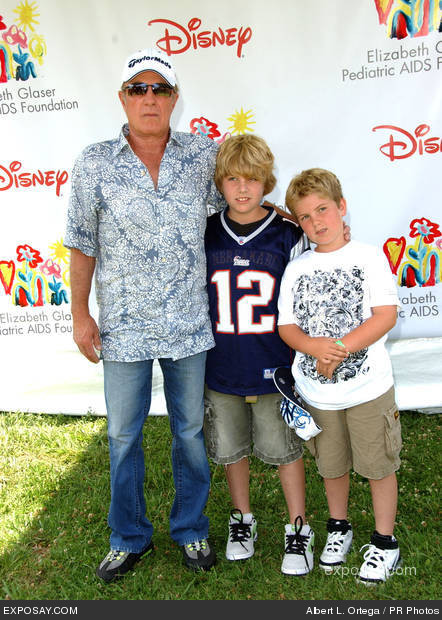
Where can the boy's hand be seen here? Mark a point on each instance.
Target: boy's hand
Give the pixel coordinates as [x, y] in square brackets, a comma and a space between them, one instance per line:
[326, 350]
[326, 370]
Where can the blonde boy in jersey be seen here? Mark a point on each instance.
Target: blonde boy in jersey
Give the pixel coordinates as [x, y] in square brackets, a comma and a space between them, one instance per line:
[247, 247]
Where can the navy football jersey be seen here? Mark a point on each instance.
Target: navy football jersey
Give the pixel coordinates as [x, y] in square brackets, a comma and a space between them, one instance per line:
[243, 279]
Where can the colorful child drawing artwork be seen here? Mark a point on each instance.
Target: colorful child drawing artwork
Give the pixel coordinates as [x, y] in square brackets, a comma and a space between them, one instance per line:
[21, 47]
[32, 280]
[419, 262]
[414, 18]
[241, 123]
[203, 127]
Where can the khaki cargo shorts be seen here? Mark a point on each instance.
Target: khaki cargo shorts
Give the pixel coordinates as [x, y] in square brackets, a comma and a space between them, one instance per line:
[233, 427]
[366, 437]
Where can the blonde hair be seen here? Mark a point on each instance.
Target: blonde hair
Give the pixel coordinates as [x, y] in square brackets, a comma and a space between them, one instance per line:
[313, 181]
[248, 156]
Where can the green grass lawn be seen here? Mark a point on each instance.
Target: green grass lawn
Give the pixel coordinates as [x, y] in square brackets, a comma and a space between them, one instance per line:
[54, 495]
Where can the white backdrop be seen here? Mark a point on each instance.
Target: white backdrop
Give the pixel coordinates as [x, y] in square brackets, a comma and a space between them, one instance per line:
[353, 87]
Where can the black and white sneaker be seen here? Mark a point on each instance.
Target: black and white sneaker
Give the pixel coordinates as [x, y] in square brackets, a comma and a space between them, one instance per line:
[299, 547]
[339, 540]
[242, 536]
[117, 563]
[199, 555]
[381, 560]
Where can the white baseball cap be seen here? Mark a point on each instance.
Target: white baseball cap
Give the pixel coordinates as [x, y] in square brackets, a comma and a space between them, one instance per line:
[149, 60]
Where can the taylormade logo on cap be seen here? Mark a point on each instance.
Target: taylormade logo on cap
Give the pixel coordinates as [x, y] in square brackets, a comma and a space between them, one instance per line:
[148, 60]
[134, 61]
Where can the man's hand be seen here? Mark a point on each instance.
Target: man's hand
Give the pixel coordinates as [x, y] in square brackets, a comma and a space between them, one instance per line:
[286, 214]
[347, 232]
[87, 338]
[85, 333]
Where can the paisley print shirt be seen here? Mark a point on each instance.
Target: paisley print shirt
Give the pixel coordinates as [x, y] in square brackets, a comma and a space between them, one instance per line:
[150, 275]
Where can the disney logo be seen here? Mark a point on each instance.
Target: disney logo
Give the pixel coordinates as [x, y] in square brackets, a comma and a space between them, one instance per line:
[180, 39]
[10, 177]
[402, 144]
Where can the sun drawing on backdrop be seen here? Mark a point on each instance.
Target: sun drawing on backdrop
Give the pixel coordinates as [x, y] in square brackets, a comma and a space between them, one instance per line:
[241, 121]
[27, 14]
[59, 251]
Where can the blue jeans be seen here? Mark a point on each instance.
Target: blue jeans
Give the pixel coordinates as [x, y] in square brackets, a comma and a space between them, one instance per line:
[127, 389]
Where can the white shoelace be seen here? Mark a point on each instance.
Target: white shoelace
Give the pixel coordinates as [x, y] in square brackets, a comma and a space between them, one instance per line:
[335, 541]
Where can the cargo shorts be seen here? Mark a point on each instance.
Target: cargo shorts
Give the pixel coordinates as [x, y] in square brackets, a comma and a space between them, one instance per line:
[234, 429]
[366, 437]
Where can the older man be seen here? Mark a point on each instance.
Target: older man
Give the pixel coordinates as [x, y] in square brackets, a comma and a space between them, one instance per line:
[137, 216]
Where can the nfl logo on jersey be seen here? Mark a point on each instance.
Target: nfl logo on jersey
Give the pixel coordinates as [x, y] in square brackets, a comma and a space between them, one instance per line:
[240, 262]
[268, 373]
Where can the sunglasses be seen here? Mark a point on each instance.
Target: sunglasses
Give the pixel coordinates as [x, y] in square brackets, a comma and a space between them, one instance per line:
[138, 89]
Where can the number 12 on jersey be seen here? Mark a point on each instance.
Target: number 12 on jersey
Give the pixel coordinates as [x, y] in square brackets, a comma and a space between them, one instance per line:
[246, 303]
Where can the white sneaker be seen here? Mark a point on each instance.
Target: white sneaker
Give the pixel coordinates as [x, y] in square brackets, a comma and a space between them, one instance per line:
[379, 564]
[299, 547]
[335, 550]
[242, 535]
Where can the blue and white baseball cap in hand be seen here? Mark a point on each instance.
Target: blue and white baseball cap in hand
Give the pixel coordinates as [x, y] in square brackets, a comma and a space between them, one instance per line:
[298, 418]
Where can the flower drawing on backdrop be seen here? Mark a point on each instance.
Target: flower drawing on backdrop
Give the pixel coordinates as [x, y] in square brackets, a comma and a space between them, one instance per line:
[418, 263]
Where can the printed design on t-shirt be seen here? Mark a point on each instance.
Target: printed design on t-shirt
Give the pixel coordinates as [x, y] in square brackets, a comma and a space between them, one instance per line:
[330, 304]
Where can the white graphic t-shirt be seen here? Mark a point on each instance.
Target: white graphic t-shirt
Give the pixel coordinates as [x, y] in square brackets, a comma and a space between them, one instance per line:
[330, 294]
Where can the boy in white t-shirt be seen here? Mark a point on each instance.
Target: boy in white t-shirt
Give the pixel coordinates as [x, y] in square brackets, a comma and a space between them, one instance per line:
[342, 294]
